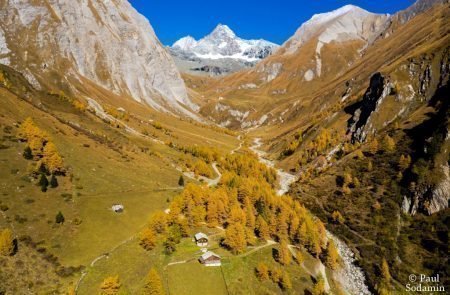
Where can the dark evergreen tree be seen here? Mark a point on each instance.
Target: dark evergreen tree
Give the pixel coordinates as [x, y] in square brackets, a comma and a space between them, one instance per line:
[53, 181]
[27, 154]
[43, 182]
[181, 181]
[169, 246]
[59, 218]
[42, 169]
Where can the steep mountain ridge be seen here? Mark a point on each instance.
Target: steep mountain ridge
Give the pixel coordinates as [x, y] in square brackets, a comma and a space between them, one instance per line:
[58, 43]
[346, 23]
[323, 49]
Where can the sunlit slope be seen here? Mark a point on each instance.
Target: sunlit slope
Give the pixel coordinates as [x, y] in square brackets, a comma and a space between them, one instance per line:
[126, 156]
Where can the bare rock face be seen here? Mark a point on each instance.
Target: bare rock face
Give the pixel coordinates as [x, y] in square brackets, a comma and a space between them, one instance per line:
[107, 42]
[430, 199]
[339, 27]
[346, 23]
[359, 125]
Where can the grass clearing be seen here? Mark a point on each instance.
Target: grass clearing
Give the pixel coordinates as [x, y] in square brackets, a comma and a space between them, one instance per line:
[241, 279]
[194, 278]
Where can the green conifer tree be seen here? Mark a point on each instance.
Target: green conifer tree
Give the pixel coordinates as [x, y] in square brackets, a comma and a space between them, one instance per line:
[43, 182]
[53, 181]
[27, 153]
[59, 218]
[181, 181]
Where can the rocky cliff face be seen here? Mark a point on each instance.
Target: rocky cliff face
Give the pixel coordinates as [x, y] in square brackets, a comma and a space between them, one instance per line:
[402, 17]
[429, 199]
[107, 42]
[346, 23]
[359, 124]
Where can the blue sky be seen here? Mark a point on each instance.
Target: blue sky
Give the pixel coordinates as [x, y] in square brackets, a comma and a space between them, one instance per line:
[273, 20]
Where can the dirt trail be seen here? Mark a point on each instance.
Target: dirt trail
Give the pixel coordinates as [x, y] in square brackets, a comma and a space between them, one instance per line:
[98, 258]
[269, 243]
[209, 181]
[239, 146]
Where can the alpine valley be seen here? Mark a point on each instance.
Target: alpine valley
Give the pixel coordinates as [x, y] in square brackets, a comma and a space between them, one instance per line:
[223, 165]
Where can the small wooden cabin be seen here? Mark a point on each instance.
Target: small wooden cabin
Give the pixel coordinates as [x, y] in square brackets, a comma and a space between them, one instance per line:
[210, 259]
[118, 208]
[201, 239]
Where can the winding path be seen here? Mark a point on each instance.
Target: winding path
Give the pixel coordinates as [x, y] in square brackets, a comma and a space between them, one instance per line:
[269, 243]
[98, 258]
[209, 181]
[238, 147]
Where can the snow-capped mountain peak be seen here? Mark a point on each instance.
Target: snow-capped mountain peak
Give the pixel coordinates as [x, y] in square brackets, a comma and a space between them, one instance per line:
[222, 43]
[338, 12]
[349, 22]
[222, 31]
[185, 43]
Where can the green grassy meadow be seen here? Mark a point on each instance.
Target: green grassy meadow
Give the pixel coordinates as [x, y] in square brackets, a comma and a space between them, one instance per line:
[105, 166]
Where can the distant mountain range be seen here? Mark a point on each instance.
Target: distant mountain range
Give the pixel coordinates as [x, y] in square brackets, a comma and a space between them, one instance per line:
[220, 52]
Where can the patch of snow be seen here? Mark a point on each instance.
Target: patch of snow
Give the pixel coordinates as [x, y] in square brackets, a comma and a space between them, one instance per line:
[215, 56]
[263, 119]
[272, 71]
[279, 91]
[185, 43]
[309, 75]
[248, 86]
[225, 124]
[220, 107]
[5, 61]
[223, 45]
[240, 116]
[31, 79]
[318, 59]
[3, 46]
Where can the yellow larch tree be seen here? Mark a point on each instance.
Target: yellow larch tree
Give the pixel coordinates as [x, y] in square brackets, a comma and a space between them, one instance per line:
[284, 255]
[148, 239]
[235, 238]
[262, 271]
[110, 286]
[6, 242]
[153, 284]
[332, 257]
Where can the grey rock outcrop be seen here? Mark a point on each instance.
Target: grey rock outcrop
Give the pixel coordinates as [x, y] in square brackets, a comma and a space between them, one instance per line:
[106, 42]
[429, 199]
[359, 125]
